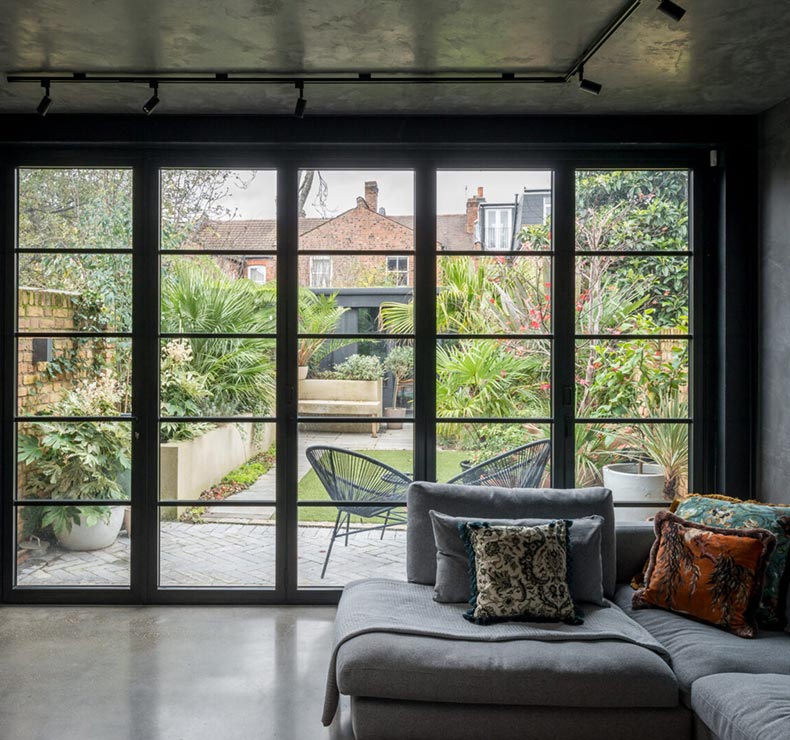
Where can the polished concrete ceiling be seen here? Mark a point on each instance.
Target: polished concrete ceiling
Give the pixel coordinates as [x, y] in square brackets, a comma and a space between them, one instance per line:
[725, 56]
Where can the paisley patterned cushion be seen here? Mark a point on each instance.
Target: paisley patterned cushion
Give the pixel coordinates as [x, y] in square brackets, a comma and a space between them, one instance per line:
[738, 514]
[709, 573]
[519, 573]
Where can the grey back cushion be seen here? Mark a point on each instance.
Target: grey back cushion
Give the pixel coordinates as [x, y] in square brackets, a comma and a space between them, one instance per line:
[452, 561]
[501, 503]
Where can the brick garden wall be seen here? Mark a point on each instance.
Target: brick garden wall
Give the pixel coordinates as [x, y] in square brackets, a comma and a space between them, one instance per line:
[42, 310]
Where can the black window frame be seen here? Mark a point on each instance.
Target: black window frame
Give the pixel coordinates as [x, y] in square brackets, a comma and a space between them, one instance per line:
[706, 235]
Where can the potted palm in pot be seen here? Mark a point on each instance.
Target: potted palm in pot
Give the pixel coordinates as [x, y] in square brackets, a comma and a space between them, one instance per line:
[318, 314]
[399, 362]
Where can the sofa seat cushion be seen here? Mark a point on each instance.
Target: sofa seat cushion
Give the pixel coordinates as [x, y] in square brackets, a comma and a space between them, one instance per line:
[698, 650]
[739, 707]
[520, 672]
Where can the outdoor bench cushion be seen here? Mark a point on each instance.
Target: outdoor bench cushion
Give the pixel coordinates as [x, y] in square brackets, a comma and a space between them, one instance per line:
[735, 706]
[698, 650]
[527, 672]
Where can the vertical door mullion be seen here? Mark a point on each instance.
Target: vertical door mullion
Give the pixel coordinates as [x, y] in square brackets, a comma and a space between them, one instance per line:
[425, 322]
[563, 317]
[8, 370]
[287, 484]
[145, 382]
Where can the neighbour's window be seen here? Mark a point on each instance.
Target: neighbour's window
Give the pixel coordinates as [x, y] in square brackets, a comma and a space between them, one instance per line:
[497, 231]
[257, 273]
[398, 270]
[320, 272]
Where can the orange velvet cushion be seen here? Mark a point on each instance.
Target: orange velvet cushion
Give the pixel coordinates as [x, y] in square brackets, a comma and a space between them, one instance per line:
[709, 573]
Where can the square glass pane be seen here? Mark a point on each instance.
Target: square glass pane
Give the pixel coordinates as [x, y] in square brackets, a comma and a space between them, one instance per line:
[217, 462]
[494, 454]
[632, 295]
[632, 377]
[217, 377]
[74, 292]
[632, 210]
[68, 545]
[646, 464]
[358, 274]
[493, 378]
[221, 293]
[357, 210]
[65, 376]
[218, 209]
[493, 210]
[355, 377]
[375, 547]
[494, 295]
[71, 208]
[205, 547]
[74, 460]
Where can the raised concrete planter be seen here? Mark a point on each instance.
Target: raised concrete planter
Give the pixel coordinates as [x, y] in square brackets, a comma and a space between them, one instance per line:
[186, 469]
[628, 484]
[341, 398]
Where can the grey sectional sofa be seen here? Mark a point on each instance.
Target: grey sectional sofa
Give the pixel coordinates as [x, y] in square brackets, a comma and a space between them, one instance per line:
[406, 683]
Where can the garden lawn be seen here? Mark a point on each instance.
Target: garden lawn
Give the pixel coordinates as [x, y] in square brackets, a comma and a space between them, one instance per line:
[310, 488]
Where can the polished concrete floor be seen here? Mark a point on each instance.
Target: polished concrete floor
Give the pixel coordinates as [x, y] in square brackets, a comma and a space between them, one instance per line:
[164, 673]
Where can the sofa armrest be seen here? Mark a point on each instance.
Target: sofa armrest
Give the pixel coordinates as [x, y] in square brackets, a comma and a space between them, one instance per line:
[634, 540]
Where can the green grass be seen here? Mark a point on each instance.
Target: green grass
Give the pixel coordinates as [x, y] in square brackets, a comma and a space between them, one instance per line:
[310, 488]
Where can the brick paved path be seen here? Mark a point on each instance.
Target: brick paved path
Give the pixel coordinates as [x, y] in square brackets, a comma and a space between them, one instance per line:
[224, 555]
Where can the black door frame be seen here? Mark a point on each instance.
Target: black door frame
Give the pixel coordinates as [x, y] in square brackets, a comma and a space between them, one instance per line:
[707, 214]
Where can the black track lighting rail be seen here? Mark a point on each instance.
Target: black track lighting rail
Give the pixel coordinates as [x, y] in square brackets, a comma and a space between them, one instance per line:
[300, 81]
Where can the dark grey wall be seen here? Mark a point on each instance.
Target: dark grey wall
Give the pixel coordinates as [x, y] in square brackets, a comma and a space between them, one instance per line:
[773, 449]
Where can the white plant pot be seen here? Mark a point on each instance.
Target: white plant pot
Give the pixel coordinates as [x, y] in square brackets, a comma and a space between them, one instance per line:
[100, 535]
[302, 372]
[628, 484]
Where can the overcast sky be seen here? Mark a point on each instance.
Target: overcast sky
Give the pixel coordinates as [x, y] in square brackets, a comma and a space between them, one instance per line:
[396, 190]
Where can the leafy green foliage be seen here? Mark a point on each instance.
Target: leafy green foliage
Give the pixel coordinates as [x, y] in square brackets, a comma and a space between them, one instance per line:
[359, 367]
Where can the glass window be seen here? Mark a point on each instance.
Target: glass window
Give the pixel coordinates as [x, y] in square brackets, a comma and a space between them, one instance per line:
[320, 272]
[257, 273]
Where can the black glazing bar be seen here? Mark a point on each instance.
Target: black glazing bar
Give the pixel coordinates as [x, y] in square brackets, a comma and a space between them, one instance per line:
[54, 333]
[632, 420]
[425, 322]
[220, 419]
[231, 252]
[350, 502]
[520, 337]
[62, 419]
[493, 420]
[8, 371]
[633, 253]
[360, 337]
[351, 418]
[495, 255]
[252, 503]
[22, 502]
[87, 252]
[564, 318]
[287, 483]
[630, 337]
[216, 335]
[356, 252]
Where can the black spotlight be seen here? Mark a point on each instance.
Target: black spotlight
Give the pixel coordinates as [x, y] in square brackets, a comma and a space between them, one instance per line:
[301, 103]
[153, 101]
[588, 85]
[46, 101]
[673, 10]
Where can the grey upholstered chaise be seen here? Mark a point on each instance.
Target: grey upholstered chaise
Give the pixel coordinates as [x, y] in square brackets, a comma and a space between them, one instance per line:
[421, 686]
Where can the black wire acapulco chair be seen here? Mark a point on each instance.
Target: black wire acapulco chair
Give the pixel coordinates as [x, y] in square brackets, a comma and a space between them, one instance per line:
[352, 477]
[519, 468]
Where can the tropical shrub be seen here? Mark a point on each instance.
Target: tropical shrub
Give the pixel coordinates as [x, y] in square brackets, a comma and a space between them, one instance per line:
[359, 367]
[400, 362]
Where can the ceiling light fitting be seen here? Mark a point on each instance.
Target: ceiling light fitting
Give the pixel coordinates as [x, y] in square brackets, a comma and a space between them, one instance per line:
[301, 103]
[46, 101]
[588, 85]
[153, 101]
[673, 10]
[362, 78]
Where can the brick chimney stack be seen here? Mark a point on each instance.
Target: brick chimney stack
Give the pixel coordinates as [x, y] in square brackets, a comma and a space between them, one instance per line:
[472, 205]
[372, 195]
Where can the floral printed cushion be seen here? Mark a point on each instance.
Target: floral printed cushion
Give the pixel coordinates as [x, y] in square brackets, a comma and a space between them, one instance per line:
[709, 573]
[519, 573]
[739, 514]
